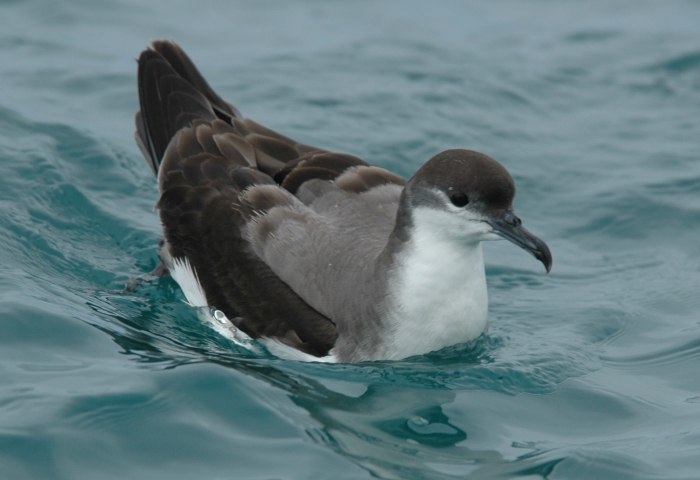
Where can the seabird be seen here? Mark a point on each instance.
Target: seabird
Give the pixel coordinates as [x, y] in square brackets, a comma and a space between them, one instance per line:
[317, 252]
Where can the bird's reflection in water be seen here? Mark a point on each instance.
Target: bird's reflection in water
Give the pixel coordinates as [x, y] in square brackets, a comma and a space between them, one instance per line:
[393, 431]
[389, 418]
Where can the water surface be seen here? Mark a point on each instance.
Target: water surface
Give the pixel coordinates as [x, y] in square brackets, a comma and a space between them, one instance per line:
[589, 372]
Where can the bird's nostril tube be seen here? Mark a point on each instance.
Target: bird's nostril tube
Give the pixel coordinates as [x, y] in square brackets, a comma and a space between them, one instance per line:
[512, 219]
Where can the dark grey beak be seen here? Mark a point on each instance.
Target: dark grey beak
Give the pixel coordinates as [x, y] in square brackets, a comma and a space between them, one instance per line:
[509, 226]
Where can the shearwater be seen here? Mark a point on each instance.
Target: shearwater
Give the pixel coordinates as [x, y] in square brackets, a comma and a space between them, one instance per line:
[319, 255]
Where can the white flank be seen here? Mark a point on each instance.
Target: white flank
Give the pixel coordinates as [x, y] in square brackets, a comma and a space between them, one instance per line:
[438, 294]
[183, 273]
[186, 277]
[280, 350]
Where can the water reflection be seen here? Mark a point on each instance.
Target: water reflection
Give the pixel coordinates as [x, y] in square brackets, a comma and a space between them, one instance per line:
[393, 431]
[390, 418]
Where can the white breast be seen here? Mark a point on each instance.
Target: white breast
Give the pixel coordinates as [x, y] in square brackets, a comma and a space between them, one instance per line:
[438, 292]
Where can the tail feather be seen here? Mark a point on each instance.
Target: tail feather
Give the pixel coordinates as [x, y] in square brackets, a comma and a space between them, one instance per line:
[185, 68]
[168, 103]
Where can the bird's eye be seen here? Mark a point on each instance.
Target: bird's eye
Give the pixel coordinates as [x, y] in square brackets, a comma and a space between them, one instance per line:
[459, 199]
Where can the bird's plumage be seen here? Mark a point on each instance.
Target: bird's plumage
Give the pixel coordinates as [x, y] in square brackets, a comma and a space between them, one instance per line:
[293, 242]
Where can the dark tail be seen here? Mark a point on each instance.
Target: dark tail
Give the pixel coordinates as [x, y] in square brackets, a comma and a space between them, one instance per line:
[172, 93]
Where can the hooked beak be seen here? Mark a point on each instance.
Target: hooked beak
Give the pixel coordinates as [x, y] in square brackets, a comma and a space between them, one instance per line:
[509, 226]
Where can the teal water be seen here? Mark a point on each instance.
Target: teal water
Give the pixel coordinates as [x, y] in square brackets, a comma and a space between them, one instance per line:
[590, 372]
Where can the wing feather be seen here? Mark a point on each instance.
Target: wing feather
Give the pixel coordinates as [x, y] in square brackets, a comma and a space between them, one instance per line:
[228, 204]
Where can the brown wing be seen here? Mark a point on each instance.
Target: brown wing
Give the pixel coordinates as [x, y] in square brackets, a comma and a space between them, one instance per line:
[205, 155]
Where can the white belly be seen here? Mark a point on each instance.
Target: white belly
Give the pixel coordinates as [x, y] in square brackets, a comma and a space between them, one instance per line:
[437, 298]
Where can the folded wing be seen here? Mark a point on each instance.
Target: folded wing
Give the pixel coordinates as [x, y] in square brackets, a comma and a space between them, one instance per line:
[253, 211]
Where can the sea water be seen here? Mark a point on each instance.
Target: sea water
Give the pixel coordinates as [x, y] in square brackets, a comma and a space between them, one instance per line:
[590, 372]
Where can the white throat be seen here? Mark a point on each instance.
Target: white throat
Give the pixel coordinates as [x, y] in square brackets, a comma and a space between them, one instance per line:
[437, 295]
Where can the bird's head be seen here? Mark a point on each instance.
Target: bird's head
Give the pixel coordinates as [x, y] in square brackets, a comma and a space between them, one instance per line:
[468, 196]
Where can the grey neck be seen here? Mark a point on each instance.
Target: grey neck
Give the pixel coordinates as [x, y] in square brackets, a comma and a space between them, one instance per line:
[363, 336]
[424, 291]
